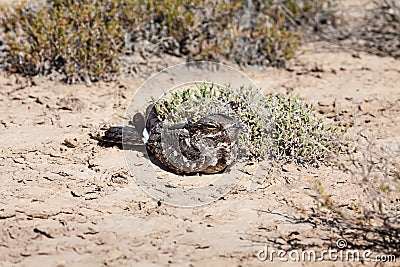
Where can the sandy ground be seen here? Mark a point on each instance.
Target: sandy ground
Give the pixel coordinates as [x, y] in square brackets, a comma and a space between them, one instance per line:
[77, 205]
[66, 201]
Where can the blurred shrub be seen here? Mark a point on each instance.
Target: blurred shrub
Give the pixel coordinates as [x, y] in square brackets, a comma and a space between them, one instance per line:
[84, 40]
[80, 39]
[381, 32]
[301, 12]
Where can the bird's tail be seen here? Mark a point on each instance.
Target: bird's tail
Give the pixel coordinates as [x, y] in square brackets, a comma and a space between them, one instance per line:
[138, 131]
[123, 136]
[127, 135]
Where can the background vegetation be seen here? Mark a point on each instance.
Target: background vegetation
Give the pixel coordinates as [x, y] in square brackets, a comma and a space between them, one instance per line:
[84, 40]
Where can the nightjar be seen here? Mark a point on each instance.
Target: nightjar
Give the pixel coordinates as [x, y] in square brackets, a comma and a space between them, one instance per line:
[208, 145]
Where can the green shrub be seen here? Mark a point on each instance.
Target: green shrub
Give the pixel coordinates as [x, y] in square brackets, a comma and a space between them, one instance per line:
[81, 39]
[280, 127]
[299, 135]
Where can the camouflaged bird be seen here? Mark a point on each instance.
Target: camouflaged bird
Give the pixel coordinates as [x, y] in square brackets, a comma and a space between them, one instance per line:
[208, 145]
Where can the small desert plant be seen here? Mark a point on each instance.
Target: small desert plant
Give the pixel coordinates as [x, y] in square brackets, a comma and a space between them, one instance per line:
[280, 127]
[381, 33]
[80, 39]
[367, 220]
[302, 12]
[376, 31]
[374, 222]
[299, 135]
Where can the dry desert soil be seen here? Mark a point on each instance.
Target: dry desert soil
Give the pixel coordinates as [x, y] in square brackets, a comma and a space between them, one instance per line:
[66, 201]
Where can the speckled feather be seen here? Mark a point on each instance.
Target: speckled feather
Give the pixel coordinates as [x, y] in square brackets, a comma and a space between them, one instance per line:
[206, 146]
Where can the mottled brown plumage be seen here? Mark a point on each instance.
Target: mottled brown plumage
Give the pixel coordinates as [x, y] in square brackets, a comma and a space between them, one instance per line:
[208, 145]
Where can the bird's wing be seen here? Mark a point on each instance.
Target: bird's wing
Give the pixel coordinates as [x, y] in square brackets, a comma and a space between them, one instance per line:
[152, 119]
[180, 153]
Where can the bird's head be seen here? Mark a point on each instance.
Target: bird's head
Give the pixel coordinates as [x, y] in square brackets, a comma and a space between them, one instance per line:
[216, 124]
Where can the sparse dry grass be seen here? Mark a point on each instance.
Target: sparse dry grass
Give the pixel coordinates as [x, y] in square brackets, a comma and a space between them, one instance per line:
[374, 222]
